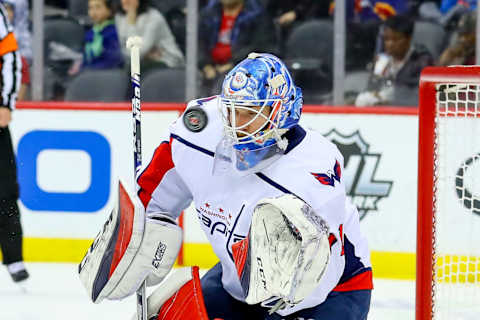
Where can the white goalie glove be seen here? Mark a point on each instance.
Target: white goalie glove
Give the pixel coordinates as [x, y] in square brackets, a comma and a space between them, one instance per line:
[285, 254]
[132, 247]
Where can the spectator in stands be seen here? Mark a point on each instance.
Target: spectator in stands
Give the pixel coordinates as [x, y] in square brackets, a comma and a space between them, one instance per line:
[448, 5]
[102, 47]
[462, 50]
[176, 16]
[24, 90]
[20, 24]
[446, 12]
[159, 48]
[287, 12]
[25, 83]
[396, 72]
[228, 31]
[365, 29]
[366, 10]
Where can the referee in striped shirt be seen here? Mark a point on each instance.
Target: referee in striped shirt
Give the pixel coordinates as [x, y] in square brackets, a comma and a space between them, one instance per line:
[10, 227]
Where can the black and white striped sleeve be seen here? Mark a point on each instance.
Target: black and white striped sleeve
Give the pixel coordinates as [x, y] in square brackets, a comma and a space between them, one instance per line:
[10, 63]
[10, 78]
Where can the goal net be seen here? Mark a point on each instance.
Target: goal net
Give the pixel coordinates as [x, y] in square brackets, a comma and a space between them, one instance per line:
[448, 224]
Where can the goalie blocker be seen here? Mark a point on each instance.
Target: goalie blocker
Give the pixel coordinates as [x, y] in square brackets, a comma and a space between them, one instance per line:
[131, 247]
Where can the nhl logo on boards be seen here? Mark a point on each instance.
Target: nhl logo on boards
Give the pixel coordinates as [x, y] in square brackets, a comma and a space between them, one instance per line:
[359, 171]
[195, 119]
[468, 192]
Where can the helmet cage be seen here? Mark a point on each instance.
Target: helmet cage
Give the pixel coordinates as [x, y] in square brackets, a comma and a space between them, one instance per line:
[238, 134]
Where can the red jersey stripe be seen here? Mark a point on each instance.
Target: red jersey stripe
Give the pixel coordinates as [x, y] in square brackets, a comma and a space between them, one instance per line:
[152, 176]
[127, 212]
[362, 281]
[240, 253]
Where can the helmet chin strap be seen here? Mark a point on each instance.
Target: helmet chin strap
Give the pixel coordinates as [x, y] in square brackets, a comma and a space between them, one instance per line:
[281, 142]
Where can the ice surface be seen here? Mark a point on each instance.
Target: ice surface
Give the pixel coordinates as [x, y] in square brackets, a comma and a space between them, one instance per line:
[54, 292]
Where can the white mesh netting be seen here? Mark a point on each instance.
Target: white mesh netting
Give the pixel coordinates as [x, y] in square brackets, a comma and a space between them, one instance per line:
[457, 202]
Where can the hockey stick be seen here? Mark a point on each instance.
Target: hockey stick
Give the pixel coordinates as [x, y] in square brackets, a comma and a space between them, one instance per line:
[134, 44]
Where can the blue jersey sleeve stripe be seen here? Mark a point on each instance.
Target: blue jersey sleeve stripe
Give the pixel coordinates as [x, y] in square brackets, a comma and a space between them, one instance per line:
[193, 146]
[273, 183]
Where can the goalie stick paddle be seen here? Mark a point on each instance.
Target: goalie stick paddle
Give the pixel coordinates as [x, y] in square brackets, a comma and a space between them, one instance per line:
[134, 44]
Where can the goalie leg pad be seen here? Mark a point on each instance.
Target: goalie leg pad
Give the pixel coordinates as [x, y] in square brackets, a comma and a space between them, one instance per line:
[178, 297]
[131, 247]
[285, 253]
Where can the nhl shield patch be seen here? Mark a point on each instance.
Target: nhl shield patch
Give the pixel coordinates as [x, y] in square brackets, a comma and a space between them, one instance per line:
[195, 119]
[359, 174]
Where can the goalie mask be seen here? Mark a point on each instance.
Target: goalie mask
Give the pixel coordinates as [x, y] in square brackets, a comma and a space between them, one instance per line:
[262, 86]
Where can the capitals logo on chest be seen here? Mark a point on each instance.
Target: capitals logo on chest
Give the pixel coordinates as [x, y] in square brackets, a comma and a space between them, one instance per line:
[220, 222]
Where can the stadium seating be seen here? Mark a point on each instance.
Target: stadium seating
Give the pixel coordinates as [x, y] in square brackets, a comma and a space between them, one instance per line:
[78, 9]
[167, 85]
[311, 39]
[432, 35]
[356, 81]
[165, 6]
[99, 85]
[63, 43]
[66, 31]
[309, 55]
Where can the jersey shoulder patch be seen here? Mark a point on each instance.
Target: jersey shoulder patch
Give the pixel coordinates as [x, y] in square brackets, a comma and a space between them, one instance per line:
[329, 177]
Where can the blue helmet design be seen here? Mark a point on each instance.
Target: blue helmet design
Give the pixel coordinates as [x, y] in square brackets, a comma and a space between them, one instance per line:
[262, 84]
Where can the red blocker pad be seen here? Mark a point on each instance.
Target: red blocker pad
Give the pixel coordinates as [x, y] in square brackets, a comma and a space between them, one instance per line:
[103, 261]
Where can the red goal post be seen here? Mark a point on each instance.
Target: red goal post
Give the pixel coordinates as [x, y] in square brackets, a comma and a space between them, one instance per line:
[448, 218]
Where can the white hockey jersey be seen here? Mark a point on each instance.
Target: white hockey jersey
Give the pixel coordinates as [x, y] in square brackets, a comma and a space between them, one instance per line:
[311, 168]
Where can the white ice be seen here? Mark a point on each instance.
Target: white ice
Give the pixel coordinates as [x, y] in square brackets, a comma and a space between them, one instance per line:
[54, 292]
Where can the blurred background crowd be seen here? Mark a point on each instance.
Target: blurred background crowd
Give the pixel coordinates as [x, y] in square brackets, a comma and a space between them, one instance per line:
[387, 44]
